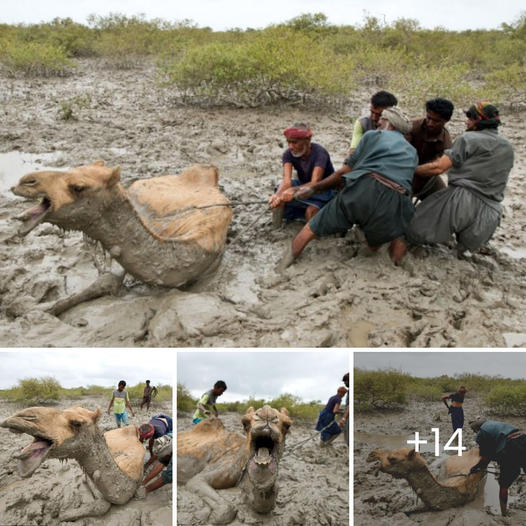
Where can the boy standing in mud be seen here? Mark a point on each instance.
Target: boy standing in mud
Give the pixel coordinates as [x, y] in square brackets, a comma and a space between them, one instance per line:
[208, 401]
[455, 409]
[120, 401]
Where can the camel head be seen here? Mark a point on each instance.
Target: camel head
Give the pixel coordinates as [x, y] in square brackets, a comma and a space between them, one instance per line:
[66, 198]
[57, 434]
[398, 462]
[266, 429]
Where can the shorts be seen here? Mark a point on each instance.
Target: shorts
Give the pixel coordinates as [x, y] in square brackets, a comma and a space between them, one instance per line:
[121, 417]
[296, 209]
[196, 420]
[166, 474]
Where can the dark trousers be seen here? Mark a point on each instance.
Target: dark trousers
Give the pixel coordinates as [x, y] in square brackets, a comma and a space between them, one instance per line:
[457, 417]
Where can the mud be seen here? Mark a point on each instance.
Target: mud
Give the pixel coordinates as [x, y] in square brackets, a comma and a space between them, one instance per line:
[335, 295]
[391, 502]
[57, 488]
[313, 483]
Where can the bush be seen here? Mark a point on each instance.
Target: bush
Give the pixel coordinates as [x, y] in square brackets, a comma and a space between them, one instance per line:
[185, 401]
[274, 65]
[508, 399]
[376, 389]
[35, 59]
[39, 389]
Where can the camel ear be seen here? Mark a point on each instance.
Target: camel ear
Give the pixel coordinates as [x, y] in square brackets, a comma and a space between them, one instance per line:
[114, 177]
[246, 420]
[284, 411]
[98, 163]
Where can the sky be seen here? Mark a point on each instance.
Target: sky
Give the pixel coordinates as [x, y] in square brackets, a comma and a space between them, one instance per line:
[312, 375]
[432, 364]
[225, 14]
[83, 367]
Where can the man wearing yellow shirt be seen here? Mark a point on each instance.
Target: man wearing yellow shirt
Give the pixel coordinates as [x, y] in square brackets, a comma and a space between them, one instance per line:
[120, 401]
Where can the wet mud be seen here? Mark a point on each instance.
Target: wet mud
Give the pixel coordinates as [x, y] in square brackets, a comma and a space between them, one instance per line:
[388, 501]
[57, 489]
[336, 294]
[313, 483]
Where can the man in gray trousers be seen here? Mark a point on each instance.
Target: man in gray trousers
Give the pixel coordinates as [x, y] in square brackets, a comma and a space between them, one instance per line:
[479, 164]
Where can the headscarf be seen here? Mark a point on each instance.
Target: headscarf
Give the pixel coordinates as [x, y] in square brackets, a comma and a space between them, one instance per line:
[484, 115]
[298, 132]
[146, 431]
[477, 423]
[397, 118]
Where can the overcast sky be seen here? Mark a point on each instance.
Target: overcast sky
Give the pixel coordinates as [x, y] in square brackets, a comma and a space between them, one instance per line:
[312, 375]
[83, 367]
[431, 364]
[225, 14]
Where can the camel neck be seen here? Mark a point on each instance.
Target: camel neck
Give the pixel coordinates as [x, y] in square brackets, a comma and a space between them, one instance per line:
[98, 463]
[432, 492]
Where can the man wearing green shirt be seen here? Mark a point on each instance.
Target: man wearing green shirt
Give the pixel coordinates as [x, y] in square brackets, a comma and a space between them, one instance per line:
[379, 101]
[207, 402]
[120, 401]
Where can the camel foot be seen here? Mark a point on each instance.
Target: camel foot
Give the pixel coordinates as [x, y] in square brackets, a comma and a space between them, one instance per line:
[105, 284]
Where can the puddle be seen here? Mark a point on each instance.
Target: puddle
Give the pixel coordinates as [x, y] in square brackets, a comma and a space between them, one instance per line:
[514, 339]
[488, 497]
[394, 441]
[515, 253]
[14, 165]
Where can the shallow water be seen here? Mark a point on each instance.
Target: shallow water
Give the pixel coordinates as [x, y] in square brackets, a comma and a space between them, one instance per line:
[14, 165]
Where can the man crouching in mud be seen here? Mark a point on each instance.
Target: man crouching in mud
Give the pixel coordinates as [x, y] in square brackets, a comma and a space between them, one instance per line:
[377, 183]
[505, 444]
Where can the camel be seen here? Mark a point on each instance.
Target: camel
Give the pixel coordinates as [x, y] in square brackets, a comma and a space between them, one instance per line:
[210, 458]
[455, 487]
[153, 228]
[113, 461]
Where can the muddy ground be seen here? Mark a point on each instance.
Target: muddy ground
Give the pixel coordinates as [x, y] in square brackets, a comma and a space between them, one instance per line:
[55, 488]
[391, 502]
[313, 483]
[335, 295]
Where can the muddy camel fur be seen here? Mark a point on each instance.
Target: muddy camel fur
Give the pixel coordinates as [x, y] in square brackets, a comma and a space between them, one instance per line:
[151, 228]
[113, 461]
[454, 489]
[210, 458]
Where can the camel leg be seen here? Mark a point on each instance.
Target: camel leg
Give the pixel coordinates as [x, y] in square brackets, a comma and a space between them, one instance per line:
[92, 508]
[222, 511]
[108, 283]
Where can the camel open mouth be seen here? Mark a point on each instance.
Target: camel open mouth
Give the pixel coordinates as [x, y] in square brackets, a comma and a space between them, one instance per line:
[34, 216]
[33, 455]
[263, 449]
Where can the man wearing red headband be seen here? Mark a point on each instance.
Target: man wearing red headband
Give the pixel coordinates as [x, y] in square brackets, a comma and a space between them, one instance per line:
[158, 426]
[478, 167]
[312, 163]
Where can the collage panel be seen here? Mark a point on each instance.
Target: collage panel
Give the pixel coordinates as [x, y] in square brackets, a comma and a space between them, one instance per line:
[86, 438]
[439, 438]
[262, 438]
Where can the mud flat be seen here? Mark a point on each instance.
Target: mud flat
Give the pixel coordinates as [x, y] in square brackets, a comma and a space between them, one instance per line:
[335, 295]
[313, 483]
[55, 487]
[386, 501]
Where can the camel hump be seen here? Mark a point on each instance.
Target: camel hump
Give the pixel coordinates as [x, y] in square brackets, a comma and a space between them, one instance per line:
[167, 207]
[127, 450]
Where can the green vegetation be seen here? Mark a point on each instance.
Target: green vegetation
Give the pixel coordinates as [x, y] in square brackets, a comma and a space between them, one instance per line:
[304, 60]
[388, 389]
[47, 389]
[294, 405]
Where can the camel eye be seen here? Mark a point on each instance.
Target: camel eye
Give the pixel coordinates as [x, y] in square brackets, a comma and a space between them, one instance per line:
[392, 460]
[76, 424]
[77, 189]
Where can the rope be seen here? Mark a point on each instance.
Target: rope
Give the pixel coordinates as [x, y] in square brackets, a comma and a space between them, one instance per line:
[310, 438]
[231, 203]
